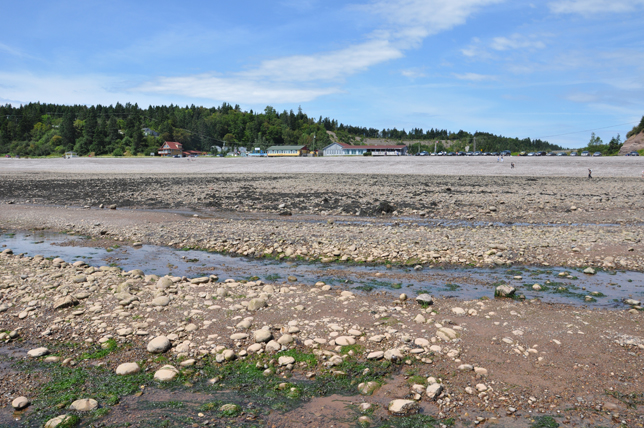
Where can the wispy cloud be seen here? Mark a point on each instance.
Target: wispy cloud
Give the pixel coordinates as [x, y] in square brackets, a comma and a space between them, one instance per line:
[413, 73]
[14, 52]
[474, 77]
[213, 87]
[325, 66]
[421, 18]
[516, 41]
[589, 7]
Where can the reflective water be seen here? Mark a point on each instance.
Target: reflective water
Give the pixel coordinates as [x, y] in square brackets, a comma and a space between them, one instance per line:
[607, 289]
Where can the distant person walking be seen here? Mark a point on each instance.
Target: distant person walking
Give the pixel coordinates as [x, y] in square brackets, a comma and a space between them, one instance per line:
[511, 165]
[498, 159]
[590, 173]
[501, 158]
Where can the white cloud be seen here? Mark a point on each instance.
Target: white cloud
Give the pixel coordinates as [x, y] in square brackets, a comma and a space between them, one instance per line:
[474, 77]
[233, 89]
[421, 18]
[413, 73]
[589, 7]
[516, 41]
[326, 65]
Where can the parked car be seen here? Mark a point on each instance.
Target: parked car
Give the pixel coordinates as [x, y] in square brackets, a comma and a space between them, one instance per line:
[523, 154]
[633, 154]
[176, 156]
[574, 154]
[532, 154]
[562, 154]
[597, 154]
[585, 153]
[506, 153]
[551, 154]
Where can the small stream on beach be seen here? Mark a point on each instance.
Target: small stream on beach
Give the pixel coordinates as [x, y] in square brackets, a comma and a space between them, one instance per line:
[606, 289]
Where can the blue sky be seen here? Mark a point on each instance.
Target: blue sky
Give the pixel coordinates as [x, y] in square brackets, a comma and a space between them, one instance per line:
[541, 70]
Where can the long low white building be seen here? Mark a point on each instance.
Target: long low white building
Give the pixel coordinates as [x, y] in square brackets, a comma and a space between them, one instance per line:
[341, 149]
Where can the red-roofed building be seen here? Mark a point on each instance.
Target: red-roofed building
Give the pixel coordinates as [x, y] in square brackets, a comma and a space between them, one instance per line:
[171, 148]
[194, 153]
[341, 149]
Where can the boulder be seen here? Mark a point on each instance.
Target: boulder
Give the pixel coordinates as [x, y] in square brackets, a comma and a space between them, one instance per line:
[161, 301]
[424, 299]
[20, 403]
[166, 373]
[84, 405]
[256, 304]
[345, 340]
[159, 345]
[285, 360]
[127, 369]
[504, 291]
[38, 352]
[262, 335]
[164, 283]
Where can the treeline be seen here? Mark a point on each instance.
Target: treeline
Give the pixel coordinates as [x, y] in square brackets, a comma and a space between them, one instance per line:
[37, 129]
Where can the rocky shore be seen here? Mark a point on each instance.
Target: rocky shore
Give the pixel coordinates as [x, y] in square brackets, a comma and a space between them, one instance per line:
[99, 346]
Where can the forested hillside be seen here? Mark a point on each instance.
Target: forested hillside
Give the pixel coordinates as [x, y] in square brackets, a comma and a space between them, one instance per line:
[48, 129]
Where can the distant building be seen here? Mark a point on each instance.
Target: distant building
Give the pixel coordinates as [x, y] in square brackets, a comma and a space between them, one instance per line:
[194, 153]
[171, 148]
[147, 132]
[276, 151]
[341, 149]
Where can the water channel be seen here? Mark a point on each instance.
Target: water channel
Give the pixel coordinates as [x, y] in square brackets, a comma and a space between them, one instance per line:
[606, 289]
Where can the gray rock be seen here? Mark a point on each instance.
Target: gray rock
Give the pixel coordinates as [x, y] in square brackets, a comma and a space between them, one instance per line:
[161, 301]
[589, 271]
[424, 299]
[65, 302]
[504, 291]
[164, 283]
[256, 304]
[434, 390]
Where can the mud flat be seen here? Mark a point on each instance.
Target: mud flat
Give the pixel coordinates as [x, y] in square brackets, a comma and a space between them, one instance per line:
[244, 347]
[621, 166]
